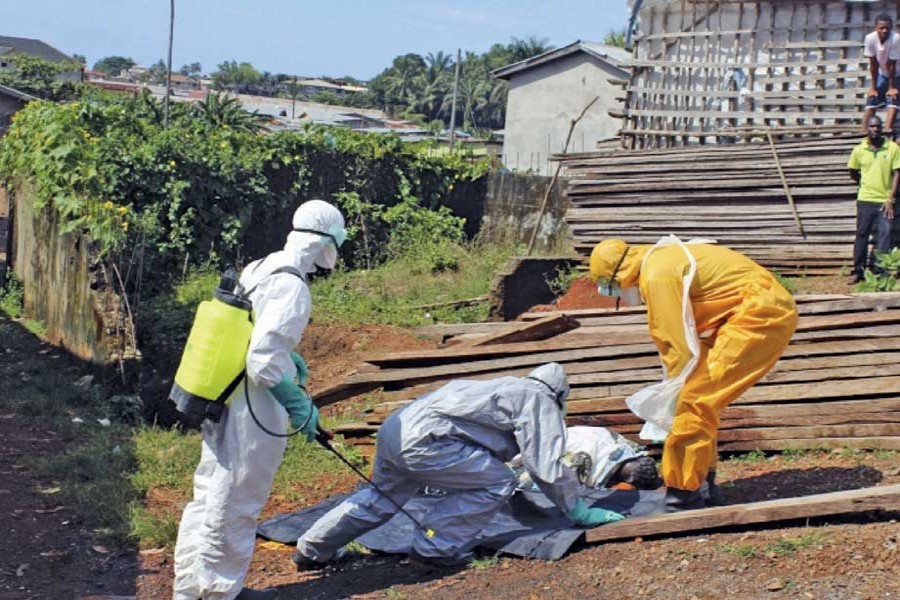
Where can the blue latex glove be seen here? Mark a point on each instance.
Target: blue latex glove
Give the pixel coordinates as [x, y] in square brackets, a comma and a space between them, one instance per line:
[298, 405]
[302, 370]
[591, 517]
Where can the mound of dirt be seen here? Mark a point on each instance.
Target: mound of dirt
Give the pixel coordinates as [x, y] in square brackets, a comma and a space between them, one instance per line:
[582, 294]
[333, 351]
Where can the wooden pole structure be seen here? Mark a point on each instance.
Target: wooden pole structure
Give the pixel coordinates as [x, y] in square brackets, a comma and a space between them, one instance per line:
[453, 104]
[169, 63]
[556, 176]
[787, 189]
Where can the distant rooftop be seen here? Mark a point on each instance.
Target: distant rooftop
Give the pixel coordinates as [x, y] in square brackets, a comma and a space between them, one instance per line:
[612, 55]
[31, 47]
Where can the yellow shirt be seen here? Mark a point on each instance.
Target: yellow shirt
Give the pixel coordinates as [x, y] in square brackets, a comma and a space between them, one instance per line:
[876, 168]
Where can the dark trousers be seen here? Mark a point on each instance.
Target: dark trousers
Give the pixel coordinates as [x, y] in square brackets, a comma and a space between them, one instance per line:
[869, 217]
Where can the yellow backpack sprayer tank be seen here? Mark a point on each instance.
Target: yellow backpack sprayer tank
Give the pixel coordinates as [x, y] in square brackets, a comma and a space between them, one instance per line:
[215, 353]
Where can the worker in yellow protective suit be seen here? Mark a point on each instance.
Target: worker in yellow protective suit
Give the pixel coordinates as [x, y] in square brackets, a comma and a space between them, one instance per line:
[715, 342]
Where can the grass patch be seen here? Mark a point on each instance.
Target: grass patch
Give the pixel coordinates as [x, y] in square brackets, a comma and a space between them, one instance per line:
[480, 564]
[742, 550]
[885, 454]
[395, 292]
[308, 469]
[790, 454]
[752, 457]
[787, 546]
[93, 480]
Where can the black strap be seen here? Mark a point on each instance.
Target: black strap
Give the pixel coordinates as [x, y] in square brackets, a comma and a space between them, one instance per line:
[287, 269]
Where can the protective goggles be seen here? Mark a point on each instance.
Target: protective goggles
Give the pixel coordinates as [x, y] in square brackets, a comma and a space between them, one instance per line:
[337, 235]
[609, 287]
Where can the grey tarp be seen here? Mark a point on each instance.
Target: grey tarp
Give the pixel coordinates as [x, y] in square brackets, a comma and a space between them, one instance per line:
[529, 526]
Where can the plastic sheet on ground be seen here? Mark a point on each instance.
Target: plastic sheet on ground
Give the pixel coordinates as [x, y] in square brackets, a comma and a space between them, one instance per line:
[529, 526]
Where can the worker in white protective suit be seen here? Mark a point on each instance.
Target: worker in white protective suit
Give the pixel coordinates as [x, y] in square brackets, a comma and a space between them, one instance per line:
[239, 460]
[458, 439]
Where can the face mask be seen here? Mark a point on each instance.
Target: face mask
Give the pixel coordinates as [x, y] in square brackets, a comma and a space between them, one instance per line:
[335, 237]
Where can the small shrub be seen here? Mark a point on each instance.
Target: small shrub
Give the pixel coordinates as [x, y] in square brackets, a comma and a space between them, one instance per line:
[787, 283]
[889, 263]
[560, 284]
[12, 296]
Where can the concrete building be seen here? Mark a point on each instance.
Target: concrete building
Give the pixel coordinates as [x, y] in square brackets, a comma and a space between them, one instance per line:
[547, 91]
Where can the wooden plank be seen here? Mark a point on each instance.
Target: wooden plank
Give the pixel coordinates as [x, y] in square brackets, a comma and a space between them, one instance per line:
[811, 432]
[834, 503]
[539, 329]
[869, 443]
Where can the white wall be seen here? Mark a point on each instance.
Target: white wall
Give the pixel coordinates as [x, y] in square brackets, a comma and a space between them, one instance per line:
[542, 102]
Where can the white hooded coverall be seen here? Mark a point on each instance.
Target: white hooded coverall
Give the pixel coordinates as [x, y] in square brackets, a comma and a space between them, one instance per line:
[238, 460]
[458, 439]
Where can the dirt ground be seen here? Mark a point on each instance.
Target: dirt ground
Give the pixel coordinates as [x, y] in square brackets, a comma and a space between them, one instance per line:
[853, 557]
[45, 554]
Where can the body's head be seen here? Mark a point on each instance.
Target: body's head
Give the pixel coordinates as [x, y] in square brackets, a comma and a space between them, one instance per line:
[318, 232]
[640, 472]
[553, 378]
[883, 26]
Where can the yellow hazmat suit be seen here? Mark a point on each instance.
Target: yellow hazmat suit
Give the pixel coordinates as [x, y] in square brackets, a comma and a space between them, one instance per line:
[745, 320]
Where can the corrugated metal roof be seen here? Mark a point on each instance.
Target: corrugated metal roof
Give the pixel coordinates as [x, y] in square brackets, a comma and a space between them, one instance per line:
[611, 55]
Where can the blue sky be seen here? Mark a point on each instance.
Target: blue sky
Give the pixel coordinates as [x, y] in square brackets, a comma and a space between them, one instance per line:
[306, 37]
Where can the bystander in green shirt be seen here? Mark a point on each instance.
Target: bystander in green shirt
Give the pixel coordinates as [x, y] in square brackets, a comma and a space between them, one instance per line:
[876, 168]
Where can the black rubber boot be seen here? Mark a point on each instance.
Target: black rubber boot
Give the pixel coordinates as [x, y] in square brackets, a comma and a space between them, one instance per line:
[678, 500]
[715, 494]
[266, 594]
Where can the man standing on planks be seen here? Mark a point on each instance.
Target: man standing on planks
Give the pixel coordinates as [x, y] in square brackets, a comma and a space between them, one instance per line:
[882, 48]
[875, 166]
[746, 319]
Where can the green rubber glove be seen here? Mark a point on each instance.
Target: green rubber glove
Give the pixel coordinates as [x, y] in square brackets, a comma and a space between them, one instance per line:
[304, 415]
[591, 517]
[302, 370]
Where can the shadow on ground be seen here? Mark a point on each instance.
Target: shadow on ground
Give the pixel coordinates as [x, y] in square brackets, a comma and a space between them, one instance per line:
[362, 576]
[791, 483]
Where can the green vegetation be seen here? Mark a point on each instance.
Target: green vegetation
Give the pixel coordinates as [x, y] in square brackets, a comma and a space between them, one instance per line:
[408, 289]
[560, 284]
[12, 296]
[486, 562]
[113, 65]
[889, 262]
[417, 85]
[754, 456]
[787, 283]
[38, 77]
[207, 184]
[782, 547]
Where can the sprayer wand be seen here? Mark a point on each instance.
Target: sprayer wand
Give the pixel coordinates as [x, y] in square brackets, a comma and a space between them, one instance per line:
[324, 438]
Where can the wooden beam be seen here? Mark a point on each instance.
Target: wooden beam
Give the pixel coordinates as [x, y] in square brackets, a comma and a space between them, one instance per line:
[772, 511]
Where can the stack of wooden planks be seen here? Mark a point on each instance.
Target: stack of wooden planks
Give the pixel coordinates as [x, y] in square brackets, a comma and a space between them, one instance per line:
[734, 194]
[837, 385]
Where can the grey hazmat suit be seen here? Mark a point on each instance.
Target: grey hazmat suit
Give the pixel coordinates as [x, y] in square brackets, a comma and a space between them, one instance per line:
[458, 439]
[238, 460]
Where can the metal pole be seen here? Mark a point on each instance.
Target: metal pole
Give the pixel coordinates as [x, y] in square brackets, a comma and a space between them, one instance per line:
[293, 96]
[169, 63]
[453, 105]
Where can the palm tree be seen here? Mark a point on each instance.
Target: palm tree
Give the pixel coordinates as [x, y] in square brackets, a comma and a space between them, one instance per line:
[520, 49]
[221, 109]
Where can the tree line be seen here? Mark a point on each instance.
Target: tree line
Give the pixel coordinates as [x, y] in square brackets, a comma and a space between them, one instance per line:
[414, 87]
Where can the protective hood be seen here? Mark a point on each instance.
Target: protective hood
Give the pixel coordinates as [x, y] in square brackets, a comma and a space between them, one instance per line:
[313, 250]
[554, 377]
[612, 253]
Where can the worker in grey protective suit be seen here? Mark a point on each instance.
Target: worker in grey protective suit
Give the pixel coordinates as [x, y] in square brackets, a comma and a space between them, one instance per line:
[458, 439]
[239, 460]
